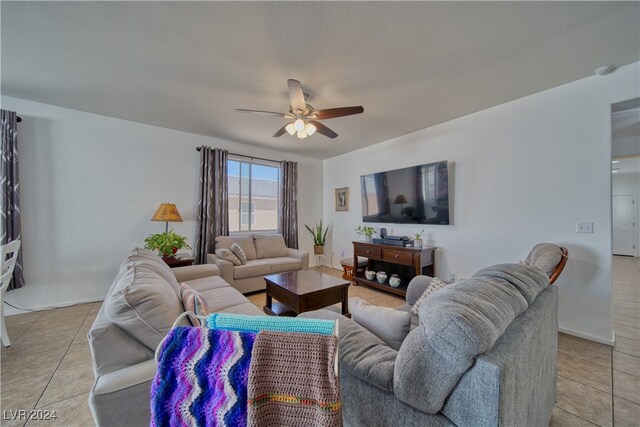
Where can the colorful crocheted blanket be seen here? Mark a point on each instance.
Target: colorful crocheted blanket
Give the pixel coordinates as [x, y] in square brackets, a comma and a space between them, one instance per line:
[246, 323]
[292, 381]
[202, 378]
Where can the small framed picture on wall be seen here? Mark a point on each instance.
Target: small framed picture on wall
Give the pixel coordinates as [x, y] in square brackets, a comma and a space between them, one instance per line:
[342, 199]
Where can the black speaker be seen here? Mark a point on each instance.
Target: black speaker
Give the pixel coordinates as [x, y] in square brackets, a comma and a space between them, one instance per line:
[383, 232]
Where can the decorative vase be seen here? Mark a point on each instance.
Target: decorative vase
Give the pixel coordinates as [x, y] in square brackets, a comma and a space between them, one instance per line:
[370, 275]
[381, 276]
[417, 243]
[367, 239]
[318, 250]
[394, 281]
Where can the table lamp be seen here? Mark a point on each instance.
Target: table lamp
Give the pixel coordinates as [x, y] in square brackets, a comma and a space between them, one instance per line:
[400, 200]
[167, 212]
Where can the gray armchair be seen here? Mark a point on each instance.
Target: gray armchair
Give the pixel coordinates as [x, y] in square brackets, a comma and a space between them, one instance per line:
[483, 353]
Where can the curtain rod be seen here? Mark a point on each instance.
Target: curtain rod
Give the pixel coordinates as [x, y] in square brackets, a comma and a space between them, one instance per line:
[247, 157]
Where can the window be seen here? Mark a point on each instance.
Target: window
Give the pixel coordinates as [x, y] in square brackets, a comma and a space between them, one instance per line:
[253, 196]
[246, 213]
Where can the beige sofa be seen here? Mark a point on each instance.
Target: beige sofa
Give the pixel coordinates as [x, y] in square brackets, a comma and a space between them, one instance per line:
[266, 254]
[138, 311]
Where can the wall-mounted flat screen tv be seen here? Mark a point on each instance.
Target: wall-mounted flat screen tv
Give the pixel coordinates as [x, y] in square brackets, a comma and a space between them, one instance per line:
[413, 195]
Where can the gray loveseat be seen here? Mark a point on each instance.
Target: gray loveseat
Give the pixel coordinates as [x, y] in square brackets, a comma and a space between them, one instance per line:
[483, 354]
[138, 311]
[266, 254]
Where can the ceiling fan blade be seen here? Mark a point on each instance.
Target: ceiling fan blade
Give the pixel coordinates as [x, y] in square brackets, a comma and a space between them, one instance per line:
[271, 113]
[296, 96]
[320, 128]
[281, 131]
[332, 113]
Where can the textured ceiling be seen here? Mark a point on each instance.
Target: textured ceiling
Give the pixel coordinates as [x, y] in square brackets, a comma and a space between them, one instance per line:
[411, 65]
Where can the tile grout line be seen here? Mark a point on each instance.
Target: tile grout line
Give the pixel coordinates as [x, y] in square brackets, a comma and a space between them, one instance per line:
[59, 363]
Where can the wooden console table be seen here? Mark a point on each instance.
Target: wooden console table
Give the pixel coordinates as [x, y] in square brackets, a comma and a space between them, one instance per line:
[406, 262]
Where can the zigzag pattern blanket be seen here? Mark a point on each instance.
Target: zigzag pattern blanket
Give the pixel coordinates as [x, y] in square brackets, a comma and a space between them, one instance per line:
[202, 378]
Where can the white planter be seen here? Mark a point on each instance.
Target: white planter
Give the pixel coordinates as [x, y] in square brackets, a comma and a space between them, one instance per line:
[417, 243]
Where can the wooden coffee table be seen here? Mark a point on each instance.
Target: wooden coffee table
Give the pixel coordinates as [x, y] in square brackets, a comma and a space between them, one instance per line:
[305, 290]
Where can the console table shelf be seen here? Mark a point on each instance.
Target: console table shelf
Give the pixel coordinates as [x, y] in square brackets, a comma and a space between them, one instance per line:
[406, 262]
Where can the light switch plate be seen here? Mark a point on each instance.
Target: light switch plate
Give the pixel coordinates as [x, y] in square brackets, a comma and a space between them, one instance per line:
[584, 227]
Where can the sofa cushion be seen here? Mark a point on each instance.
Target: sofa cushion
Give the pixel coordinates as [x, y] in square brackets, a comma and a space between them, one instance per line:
[228, 255]
[223, 298]
[155, 263]
[434, 285]
[194, 302]
[236, 250]
[270, 246]
[144, 305]
[206, 283]
[388, 324]
[457, 324]
[252, 268]
[282, 264]
[245, 242]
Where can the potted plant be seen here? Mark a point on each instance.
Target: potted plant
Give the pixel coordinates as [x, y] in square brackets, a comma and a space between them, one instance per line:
[167, 244]
[417, 239]
[365, 230]
[319, 237]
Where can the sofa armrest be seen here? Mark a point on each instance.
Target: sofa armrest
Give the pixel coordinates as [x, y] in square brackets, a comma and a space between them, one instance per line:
[192, 272]
[416, 288]
[224, 267]
[361, 353]
[301, 255]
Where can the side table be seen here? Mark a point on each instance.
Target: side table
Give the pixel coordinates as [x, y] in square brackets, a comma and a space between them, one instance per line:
[178, 262]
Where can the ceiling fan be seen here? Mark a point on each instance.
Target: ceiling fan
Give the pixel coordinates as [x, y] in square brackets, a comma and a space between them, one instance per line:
[305, 117]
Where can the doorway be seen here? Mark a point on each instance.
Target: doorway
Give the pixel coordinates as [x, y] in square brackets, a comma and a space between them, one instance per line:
[625, 177]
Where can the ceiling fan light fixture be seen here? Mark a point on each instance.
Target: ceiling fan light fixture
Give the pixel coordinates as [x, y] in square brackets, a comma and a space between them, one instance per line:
[302, 134]
[310, 129]
[291, 128]
[299, 125]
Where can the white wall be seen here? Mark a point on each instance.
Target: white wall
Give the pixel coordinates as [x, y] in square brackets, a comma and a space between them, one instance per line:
[524, 172]
[629, 184]
[89, 185]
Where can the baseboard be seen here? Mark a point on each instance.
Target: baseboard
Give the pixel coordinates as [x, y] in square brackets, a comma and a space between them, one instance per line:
[10, 311]
[610, 343]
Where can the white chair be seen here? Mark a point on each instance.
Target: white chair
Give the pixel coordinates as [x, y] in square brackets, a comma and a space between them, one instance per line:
[9, 255]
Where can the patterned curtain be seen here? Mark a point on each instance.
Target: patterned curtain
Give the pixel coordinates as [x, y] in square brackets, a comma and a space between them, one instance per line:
[10, 191]
[289, 203]
[213, 202]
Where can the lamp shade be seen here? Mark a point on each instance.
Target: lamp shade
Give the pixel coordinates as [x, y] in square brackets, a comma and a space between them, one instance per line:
[167, 212]
[400, 199]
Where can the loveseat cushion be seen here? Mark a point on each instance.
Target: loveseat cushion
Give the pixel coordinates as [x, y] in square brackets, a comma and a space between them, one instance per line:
[457, 324]
[245, 242]
[282, 264]
[143, 304]
[252, 268]
[270, 246]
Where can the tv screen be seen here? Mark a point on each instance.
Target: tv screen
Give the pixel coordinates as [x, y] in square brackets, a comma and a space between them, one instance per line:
[413, 195]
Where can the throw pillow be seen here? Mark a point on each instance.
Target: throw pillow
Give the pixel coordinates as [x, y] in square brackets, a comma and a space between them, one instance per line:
[193, 301]
[435, 285]
[388, 324]
[227, 255]
[237, 251]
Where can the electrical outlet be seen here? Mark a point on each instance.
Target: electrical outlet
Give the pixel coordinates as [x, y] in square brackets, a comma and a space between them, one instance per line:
[454, 277]
[584, 227]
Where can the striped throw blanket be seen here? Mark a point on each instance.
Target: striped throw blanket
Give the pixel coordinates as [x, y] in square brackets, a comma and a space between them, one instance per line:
[246, 323]
[292, 382]
[202, 378]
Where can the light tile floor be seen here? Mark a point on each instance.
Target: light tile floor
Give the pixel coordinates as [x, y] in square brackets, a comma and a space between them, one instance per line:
[48, 366]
